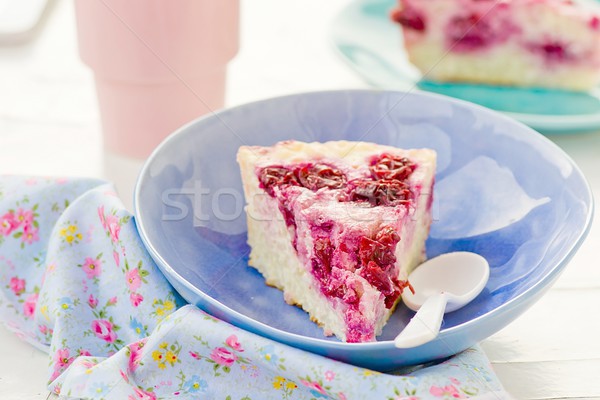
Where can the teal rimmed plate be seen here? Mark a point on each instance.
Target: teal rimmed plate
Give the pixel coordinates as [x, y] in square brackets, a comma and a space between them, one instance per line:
[372, 46]
[502, 190]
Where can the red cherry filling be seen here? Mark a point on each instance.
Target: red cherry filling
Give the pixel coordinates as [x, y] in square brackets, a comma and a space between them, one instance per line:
[385, 186]
[469, 32]
[385, 192]
[390, 167]
[378, 278]
[372, 250]
[554, 51]
[315, 177]
[373, 258]
[377, 259]
[310, 176]
[409, 18]
[322, 270]
[275, 176]
[321, 262]
[288, 217]
[387, 236]
[388, 186]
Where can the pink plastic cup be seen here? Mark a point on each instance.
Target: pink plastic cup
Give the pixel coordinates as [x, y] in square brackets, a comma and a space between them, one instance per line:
[157, 64]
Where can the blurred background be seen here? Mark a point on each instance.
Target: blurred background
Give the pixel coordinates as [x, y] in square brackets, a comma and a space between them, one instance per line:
[49, 118]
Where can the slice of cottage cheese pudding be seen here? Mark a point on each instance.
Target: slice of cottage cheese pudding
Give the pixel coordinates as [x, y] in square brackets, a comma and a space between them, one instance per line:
[531, 43]
[338, 226]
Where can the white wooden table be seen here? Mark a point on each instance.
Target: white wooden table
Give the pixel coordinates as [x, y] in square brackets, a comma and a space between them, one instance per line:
[49, 125]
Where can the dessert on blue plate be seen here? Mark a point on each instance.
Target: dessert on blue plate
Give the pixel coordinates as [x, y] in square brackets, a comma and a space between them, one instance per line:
[338, 226]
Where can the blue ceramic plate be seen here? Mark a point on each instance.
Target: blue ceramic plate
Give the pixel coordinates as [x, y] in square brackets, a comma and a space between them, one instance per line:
[372, 45]
[502, 190]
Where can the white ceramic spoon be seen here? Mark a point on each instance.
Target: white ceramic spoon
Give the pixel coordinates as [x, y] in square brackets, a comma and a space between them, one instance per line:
[442, 284]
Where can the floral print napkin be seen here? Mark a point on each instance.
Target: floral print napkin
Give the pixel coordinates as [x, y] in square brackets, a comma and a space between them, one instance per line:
[77, 283]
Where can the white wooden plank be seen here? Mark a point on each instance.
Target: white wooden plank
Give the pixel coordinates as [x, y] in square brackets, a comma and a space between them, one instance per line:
[23, 370]
[584, 269]
[563, 325]
[551, 379]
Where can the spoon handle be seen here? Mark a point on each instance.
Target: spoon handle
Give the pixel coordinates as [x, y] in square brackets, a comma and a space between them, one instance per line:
[425, 325]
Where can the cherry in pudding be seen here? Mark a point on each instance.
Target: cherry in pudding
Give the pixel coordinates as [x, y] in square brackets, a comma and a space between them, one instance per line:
[338, 226]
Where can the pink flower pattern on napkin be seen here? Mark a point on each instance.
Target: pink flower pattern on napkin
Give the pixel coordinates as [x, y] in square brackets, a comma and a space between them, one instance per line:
[8, 223]
[17, 285]
[20, 223]
[76, 280]
[232, 341]
[29, 305]
[222, 356]
[104, 330]
[92, 267]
